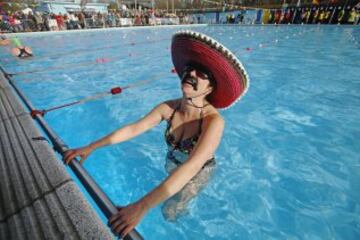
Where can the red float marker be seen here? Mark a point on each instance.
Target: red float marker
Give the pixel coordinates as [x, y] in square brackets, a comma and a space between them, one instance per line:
[113, 91]
[33, 113]
[116, 90]
[102, 60]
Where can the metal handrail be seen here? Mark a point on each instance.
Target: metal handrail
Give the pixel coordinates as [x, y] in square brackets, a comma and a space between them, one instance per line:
[100, 198]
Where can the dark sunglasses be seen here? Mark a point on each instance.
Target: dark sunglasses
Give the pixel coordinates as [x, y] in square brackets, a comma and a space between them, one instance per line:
[198, 73]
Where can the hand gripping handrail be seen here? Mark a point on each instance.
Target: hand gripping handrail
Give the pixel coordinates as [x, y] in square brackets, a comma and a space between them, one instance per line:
[104, 203]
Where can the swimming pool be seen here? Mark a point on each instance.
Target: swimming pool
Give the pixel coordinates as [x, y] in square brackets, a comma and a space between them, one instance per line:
[288, 165]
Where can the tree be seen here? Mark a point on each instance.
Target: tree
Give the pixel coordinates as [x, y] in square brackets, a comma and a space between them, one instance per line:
[113, 6]
[11, 6]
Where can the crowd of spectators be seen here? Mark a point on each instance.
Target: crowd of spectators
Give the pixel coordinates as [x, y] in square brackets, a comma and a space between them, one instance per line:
[39, 21]
[300, 15]
[26, 22]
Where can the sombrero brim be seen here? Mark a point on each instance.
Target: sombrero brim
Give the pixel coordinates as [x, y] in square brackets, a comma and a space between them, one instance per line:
[232, 81]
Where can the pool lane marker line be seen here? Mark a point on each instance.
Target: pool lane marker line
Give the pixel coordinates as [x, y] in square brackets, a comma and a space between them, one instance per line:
[104, 60]
[98, 60]
[271, 42]
[65, 66]
[132, 54]
[113, 91]
[81, 64]
[86, 50]
[131, 43]
[101, 60]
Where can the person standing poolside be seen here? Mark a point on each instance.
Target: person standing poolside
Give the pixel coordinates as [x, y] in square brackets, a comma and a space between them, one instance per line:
[357, 15]
[211, 78]
[327, 16]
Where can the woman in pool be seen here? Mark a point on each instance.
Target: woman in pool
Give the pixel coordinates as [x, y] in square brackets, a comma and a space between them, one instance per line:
[211, 78]
[20, 50]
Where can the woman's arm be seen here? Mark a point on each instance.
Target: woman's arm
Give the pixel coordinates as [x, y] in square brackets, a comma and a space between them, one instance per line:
[204, 150]
[128, 217]
[132, 130]
[122, 134]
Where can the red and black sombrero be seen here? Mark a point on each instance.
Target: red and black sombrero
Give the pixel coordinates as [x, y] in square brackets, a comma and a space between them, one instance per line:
[232, 81]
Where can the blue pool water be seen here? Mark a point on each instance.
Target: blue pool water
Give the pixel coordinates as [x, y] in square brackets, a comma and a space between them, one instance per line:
[289, 163]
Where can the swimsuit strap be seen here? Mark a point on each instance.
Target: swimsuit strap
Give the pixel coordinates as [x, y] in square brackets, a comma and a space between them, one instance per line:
[171, 117]
[201, 120]
[173, 114]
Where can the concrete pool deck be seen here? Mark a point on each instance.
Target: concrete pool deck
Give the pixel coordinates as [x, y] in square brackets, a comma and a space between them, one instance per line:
[38, 198]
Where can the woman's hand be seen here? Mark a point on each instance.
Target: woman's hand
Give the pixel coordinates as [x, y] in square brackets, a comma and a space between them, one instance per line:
[127, 218]
[83, 152]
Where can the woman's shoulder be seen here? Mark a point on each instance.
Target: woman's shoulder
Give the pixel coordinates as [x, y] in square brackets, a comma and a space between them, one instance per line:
[168, 107]
[212, 116]
[172, 104]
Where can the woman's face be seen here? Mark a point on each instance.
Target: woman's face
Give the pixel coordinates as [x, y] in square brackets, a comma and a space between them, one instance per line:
[194, 83]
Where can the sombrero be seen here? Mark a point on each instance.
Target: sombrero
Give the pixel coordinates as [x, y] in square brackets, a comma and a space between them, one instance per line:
[232, 81]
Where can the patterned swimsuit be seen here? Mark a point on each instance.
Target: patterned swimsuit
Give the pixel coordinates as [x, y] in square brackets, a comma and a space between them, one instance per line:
[24, 53]
[178, 152]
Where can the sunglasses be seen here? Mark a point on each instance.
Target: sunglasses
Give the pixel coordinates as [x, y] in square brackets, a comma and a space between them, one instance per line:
[198, 73]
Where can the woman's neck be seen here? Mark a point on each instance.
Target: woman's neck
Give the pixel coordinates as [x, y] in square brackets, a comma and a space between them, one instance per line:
[192, 107]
